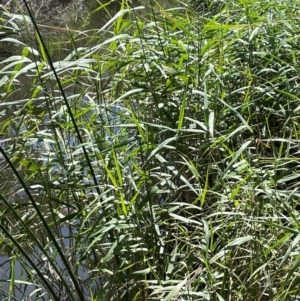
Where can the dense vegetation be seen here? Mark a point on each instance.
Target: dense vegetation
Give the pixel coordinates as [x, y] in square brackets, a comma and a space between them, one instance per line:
[158, 162]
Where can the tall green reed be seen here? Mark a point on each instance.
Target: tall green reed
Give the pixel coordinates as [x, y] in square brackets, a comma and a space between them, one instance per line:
[177, 174]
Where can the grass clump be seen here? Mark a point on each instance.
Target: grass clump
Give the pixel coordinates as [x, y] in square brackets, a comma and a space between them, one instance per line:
[160, 161]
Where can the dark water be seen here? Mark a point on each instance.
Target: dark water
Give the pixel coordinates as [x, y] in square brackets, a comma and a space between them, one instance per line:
[22, 290]
[65, 232]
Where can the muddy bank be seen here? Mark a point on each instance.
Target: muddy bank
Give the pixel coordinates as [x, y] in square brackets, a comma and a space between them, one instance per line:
[53, 18]
[57, 12]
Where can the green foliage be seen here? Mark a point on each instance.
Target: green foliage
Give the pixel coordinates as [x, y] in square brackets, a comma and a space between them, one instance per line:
[158, 162]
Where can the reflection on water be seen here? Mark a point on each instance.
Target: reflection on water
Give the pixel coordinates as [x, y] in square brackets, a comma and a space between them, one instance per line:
[111, 120]
[23, 290]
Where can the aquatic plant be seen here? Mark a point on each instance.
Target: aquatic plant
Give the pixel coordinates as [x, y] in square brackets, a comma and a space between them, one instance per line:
[159, 161]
